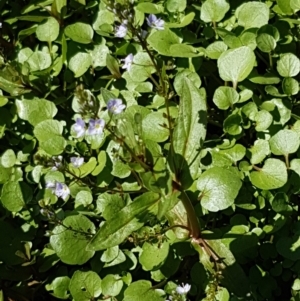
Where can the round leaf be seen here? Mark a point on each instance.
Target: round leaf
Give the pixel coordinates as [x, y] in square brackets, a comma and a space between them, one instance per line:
[218, 188]
[213, 10]
[259, 151]
[111, 285]
[153, 126]
[70, 244]
[284, 142]
[273, 175]
[266, 43]
[288, 65]
[236, 64]
[214, 50]
[48, 31]
[263, 120]
[80, 63]
[290, 86]
[85, 286]
[80, 32]
[253, 14]
[289, 247]
[8, 158]
[153, 255]
[225, 97]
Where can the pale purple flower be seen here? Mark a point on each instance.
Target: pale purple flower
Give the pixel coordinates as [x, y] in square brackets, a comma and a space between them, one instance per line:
[127, 62]
[61, 190]
[121, 30]
[96, 127]
[155, 22]
[79, 128]
[115, 106]
[143, 33]
[77, 161]
[57, 161]
[184, 289]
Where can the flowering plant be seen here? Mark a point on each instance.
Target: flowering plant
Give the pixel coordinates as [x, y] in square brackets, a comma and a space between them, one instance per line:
[149, 150]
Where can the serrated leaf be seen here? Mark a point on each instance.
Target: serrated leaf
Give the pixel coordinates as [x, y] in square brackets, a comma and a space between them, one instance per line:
[271, 176]
[116, 229]
[70, 241]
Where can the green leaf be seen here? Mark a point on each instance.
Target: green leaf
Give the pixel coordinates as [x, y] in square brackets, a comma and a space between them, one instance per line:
[225, 97]
[162, 40]
[85, 286]
[80, 63]
[190, 131]
[263, 120]
[83, 198]
[214, 10]
[111, 285]
[39, 60]
[143, 289]
[259, 151]
[285, 6]
[186, 73]
[236, 64]
[149, 8]
[123, 223]
[232, 124]
[59, 287]
[218, 188]
[35, 110]
[295, 5]
[153, 255]
[215, 49]
[176, 5]
[48, 132]
[265, 42]
[8, 158]
[284, 142]
[290, 86]
[69, 240]
[295, 166]
[185, 21]
[154, 127]
[99, 55]
[288, 65]
[252, 14]
[48, 31]
[273, 175]
[15, 195]
[80, 32]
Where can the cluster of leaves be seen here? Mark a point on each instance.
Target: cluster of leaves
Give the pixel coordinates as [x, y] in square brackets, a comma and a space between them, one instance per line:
[149, 150]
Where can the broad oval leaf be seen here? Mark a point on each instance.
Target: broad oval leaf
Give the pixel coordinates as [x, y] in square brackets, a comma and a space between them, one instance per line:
[69, 240]
[218, 188]
[253, 14]
[85, 286]
[284, 142]
[214, 10]
[288, 65]
[80, 32]
[236, 64]
[273, 175]
[80, 63]
[225, 97]
[48, 31]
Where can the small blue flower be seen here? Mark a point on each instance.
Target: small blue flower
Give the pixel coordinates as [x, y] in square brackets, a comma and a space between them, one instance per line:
[61, 190]
[155, 22]
[77, 161]
[115, 106]
[127, 62]
[79, 128]
[121, 30]
[96, 127]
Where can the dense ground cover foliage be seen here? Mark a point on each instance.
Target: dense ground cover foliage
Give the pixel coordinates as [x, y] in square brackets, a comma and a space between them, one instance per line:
[149, 150]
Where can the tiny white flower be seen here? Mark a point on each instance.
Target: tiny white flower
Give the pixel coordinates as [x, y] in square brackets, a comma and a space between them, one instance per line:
[121, 30]
[184, 289]
[57, 163]
[77, 161]
[115, 106]
[0, 24]
[127, 62]
[155, 22]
